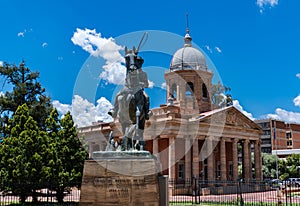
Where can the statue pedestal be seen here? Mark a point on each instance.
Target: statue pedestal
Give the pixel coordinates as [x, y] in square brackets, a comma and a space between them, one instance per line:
[120, 178]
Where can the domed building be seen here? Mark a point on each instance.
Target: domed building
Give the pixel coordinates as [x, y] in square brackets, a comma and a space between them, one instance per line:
[189, 80]
[188, 136]
[188, 57]
[192, 139]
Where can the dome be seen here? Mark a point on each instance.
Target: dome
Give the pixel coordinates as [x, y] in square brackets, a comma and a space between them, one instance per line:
[188, 57]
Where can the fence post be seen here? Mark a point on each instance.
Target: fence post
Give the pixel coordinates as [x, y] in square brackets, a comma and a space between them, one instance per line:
[240, 191]
[199, 191]
[163, 190]
[195, 186]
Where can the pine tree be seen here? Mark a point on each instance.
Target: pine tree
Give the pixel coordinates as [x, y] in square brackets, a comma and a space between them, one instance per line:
[68, 160]
[23, 154]
[26, 89]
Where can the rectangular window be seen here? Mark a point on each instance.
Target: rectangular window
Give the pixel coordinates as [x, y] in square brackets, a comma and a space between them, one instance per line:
[180, 170]
[288, 135]
[230, 169]
[218, 169]
[289, 143]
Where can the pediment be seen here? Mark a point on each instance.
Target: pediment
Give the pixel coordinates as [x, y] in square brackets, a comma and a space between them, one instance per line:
[230, 116]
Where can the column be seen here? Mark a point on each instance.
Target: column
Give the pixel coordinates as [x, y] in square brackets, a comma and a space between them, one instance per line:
[261, 161]
[179, 93]
[235, 173]
[246, 160]
[91, 150]
[210, 160]
[257, 160]
[172, 158]
[250, 160]
[155, 148]
[223, 159]
[168, 89]
[195, 158]
[187, 164]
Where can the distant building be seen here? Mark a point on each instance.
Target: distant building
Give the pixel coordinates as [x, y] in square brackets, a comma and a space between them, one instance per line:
[95, 136]
[279, 137]
[187, 134]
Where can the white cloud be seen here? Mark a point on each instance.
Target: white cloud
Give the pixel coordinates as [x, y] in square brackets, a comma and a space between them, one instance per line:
[1, 63]
[208, 48]
[21, 34]
[45, 44]
[211, 50]
[92, 42]
[297, 101]
[218, 49]
[151, 84]
[84, 112]
[287, 116]
[266, 3]
[298, 75]
[164, 85]
[61, 108]
[237, 105]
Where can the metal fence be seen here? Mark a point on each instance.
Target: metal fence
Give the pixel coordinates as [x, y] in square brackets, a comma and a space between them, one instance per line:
[45, 196]
[190, 192]
[197, 192]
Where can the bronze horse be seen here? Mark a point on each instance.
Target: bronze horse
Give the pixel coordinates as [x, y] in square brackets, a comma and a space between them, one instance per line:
[132, 104]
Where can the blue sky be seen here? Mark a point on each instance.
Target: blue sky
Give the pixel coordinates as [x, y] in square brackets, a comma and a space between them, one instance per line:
[253, 45]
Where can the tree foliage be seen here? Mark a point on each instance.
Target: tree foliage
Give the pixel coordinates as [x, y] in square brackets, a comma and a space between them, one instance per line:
[219, 97]
[31, 157]
[269, 166]
[68, 158]
[38, 147]
[290, 167]
[23, 156]
[26, 89]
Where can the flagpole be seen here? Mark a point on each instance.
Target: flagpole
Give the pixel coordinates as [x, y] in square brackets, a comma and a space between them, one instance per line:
[277, 176]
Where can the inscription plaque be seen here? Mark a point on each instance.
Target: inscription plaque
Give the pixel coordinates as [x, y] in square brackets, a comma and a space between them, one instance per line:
[106, 183]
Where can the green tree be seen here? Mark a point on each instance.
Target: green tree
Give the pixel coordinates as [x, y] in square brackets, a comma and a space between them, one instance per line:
[219, 97]
[22, 166]
[26, 89]
[68, 160]
[290, 167]
[269, 166]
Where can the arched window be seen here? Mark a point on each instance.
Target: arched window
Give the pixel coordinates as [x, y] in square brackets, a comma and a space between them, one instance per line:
[174, 91]
[189, 91]
[204, 91]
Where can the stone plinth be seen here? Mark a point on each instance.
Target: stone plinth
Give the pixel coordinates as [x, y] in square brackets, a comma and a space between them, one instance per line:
[120, 178]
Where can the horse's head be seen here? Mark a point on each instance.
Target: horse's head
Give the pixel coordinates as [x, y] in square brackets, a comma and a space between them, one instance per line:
[133, 61]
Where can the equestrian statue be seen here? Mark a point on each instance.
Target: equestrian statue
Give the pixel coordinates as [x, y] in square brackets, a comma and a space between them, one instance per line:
[131, 105]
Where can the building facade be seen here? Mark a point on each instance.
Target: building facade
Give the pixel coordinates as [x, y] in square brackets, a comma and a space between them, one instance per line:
[188, 136]
[279, 137]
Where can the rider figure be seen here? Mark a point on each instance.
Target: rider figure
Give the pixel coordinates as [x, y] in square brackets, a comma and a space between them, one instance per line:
[136, 80]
